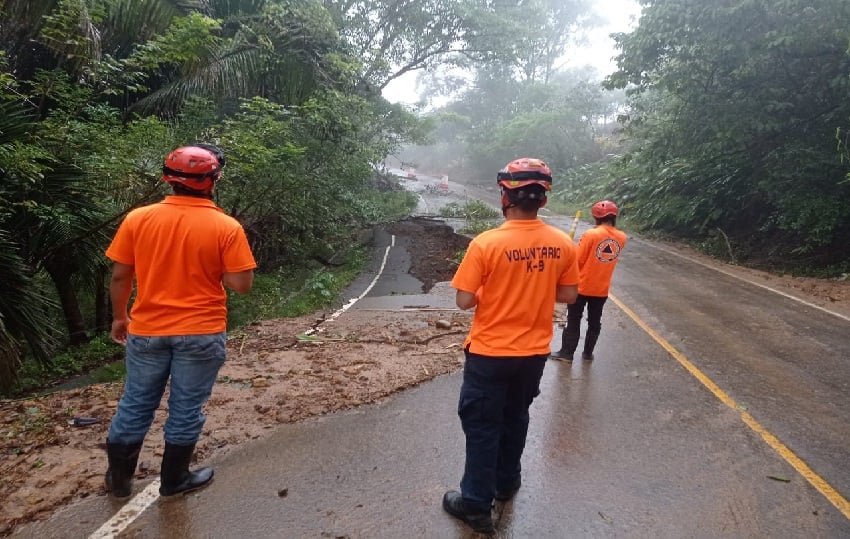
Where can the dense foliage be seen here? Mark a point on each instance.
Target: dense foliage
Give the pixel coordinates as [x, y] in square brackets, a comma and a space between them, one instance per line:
[736, 129]
[738, 122]
[94, 93]
[735, 125]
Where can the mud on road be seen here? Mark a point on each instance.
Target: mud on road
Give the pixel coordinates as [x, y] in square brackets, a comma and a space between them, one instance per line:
[272, 376]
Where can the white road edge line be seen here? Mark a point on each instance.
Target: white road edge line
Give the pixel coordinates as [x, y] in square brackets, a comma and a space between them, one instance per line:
[765, 287]
[141, 501]
[352, 301]
[128, 513]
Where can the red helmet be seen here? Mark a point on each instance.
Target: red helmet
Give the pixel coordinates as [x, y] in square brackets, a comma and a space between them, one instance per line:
[196, 167]
[525, 171]
[604, 208]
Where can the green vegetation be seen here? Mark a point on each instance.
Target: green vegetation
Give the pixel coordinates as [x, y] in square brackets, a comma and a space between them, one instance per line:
[94, 93]
[275, 295]
[288, 293]
[561, 118]
[478, 215]
[473, 228]
[35, 374]
[735, 138]
[725, 125]
[568, 207]
[458, 257]
[471, 210]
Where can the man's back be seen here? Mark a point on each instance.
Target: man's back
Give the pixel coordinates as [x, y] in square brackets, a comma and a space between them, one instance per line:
[598, 253]
[180, 249]
[515, 270]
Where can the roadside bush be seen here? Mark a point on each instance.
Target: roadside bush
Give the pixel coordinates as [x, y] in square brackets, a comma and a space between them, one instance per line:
[473, 228]
[34, 374]
[287, 292]
[471, 210]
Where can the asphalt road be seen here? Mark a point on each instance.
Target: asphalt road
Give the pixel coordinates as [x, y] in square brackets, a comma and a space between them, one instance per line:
[715, 409]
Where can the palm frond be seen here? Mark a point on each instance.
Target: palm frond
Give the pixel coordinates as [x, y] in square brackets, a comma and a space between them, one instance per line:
[130, 22]
[24, 309]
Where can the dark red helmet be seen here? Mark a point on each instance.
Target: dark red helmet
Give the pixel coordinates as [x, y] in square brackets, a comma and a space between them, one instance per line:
[525, 171]
[196, 167]
[604, 208]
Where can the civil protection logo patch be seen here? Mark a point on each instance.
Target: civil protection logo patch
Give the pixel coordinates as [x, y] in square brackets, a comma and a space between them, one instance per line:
[608, 250]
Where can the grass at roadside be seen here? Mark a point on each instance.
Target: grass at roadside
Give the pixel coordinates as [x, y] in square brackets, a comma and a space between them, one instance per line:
[471, 210]
[290, 291]
[34, 376]
[478, 215]
[293, 292]
[275, 295]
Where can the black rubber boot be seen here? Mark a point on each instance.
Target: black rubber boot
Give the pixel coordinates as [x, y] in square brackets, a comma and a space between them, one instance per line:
[569, 343]
[122, 465]
[175, 475]
[589, 345]
[479, 521]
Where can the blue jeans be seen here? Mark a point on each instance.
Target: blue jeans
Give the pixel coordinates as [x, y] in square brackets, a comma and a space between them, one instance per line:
[191, 362]
[493, 409]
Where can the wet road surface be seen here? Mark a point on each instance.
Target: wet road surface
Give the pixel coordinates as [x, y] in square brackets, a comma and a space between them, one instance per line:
[629, 445]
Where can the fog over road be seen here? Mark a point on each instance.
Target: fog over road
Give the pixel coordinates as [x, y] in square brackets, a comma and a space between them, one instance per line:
[715, 409]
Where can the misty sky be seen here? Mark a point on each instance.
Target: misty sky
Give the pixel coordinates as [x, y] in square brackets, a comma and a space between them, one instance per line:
[597, 52]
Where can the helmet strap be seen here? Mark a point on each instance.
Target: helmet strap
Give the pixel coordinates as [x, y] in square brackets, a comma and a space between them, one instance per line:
[506, 203]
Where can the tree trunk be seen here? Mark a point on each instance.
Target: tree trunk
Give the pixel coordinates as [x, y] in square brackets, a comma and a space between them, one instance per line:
[60, 272]
[102, 307]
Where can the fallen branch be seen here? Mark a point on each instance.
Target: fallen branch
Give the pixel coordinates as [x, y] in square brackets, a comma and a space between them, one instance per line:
[438, 335]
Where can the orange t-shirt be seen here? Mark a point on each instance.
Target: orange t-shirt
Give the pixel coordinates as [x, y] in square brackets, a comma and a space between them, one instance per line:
[515, 270]
[598, 254]
[179, 249]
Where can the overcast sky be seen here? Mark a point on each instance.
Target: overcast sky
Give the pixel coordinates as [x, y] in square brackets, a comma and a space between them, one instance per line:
[621, 16]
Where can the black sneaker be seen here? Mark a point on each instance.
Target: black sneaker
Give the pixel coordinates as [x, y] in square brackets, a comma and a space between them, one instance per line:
[455, 506]
[505, 494]
[587, 356]
[561, 355]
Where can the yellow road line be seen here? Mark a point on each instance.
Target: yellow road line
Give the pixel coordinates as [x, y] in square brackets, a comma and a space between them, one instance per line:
[834, 497]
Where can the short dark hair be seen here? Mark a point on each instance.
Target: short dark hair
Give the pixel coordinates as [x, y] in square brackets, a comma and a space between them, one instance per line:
[182, 190]
[527, 198]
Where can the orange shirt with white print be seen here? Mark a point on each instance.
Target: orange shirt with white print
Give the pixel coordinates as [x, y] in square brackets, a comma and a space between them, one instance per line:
[515, 270]
[598, 253]
[179, 249]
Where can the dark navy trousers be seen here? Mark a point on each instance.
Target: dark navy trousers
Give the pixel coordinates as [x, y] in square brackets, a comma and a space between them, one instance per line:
[493, 409]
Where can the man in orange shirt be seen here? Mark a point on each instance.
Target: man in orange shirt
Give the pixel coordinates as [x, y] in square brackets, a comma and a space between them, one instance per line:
[598, 253]
[181, 252]
[513, 275]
